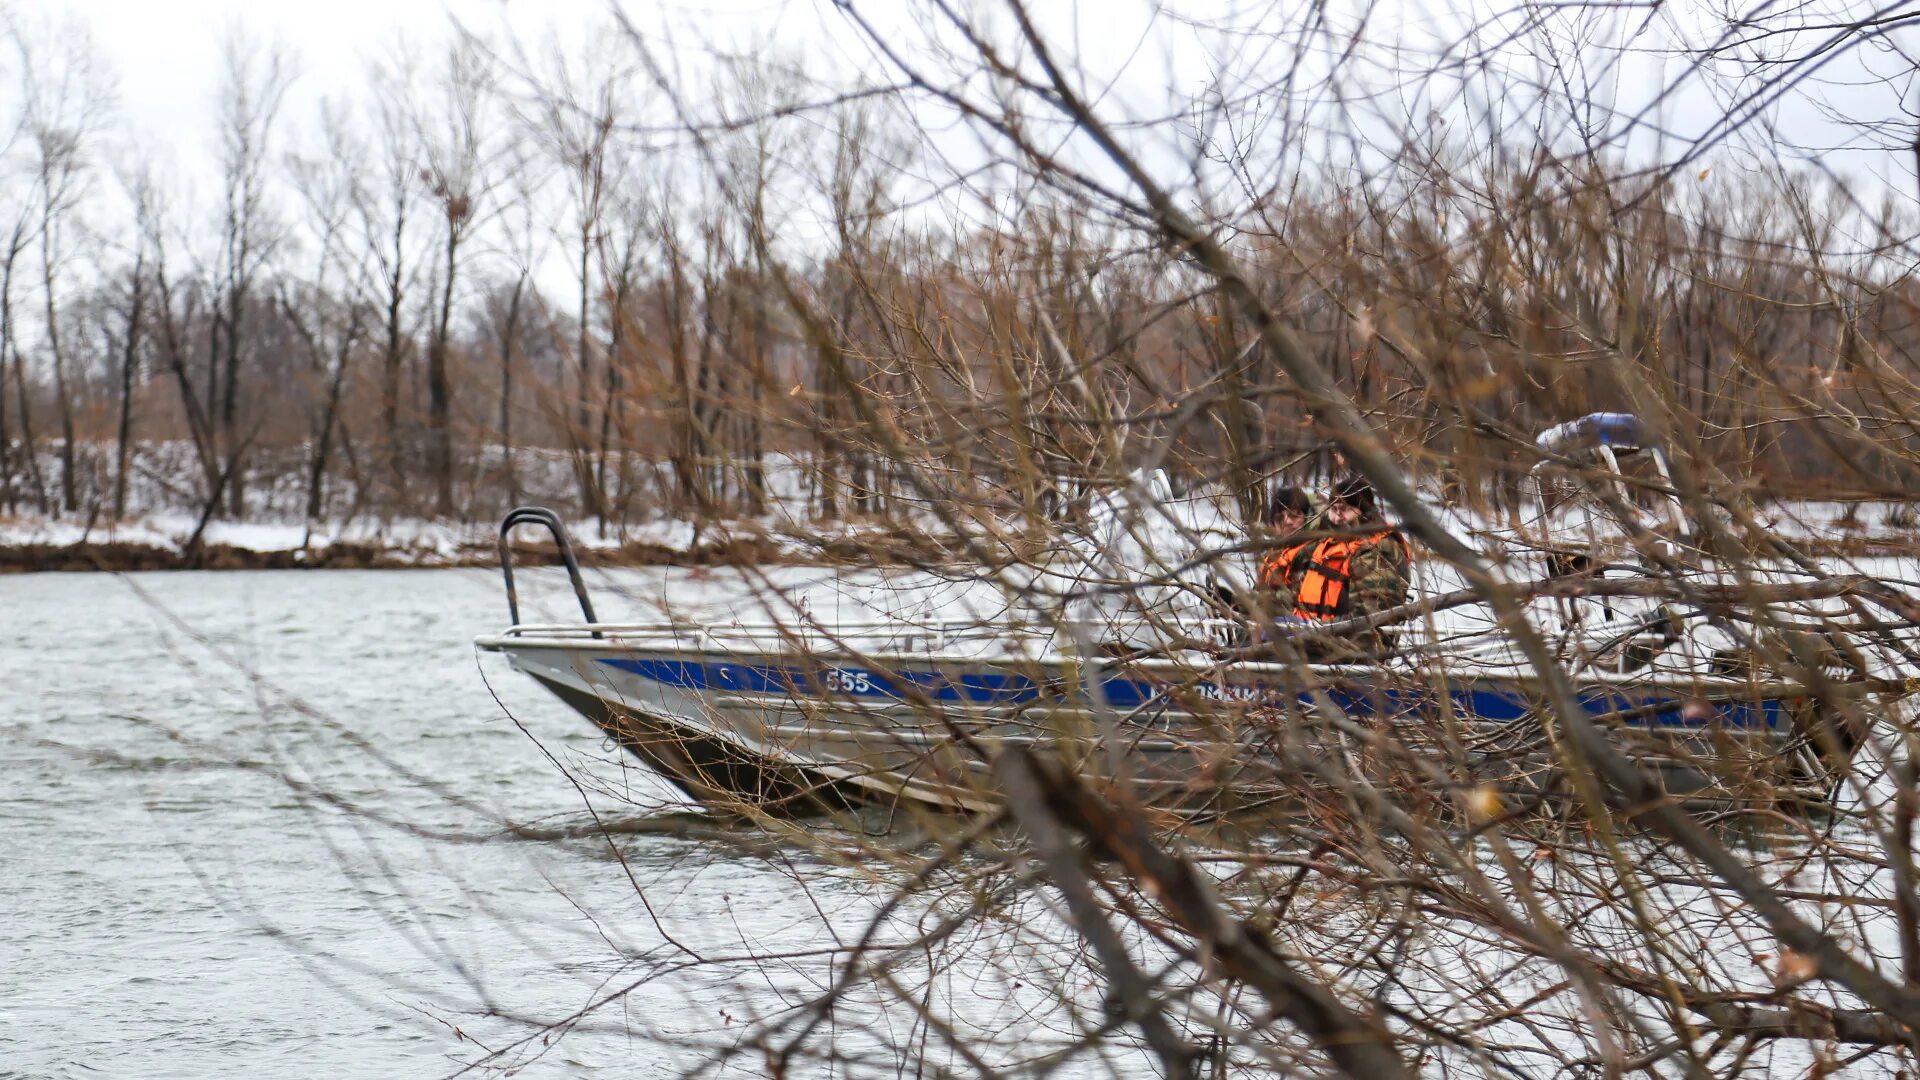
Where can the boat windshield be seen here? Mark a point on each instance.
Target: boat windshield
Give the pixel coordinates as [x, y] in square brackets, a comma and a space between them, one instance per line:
[1604, 472]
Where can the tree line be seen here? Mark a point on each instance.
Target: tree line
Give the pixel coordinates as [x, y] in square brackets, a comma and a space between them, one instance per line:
[484, 280]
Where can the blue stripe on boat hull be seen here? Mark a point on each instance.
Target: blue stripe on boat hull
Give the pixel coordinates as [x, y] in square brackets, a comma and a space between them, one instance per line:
[994, 688]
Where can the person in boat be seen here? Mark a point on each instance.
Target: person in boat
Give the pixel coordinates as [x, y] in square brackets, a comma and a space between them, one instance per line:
[1287, 517]
[1363, 568]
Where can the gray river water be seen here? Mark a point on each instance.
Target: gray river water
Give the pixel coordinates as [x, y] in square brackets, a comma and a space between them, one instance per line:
[170, 905]
[251, 825]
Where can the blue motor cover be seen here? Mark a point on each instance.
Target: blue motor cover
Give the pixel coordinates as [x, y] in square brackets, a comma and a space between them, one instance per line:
[1615, 429]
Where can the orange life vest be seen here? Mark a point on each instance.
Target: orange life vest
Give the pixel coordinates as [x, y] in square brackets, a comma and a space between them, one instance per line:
[1323, 588]
[1277, 571]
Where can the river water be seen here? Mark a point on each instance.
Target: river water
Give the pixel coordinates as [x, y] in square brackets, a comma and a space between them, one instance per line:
[250, 824]
[236, 812]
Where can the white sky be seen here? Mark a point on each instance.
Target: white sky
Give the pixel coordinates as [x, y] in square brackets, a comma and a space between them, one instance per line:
[166, 53]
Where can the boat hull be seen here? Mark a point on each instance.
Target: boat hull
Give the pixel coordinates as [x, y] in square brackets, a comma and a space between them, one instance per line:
[803, 732]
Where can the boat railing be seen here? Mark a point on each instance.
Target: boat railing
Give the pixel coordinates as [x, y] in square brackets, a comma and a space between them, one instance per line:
[764, 635]
[540, 515]
[906, 633]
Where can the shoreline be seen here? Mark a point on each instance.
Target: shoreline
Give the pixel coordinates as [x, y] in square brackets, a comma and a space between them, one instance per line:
[131, 556]
[122, 556]
[159, 542]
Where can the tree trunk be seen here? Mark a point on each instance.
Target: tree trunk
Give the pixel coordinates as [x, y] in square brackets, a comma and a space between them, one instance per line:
[509, 335]
[675, 302]
[701, 408]
[615, 344]
[577, 433]
[211, 410]
[6, 435]
[756, 447]
[29, 446]
[391, 357]
[129, 360]
[440, 390]
[175, 350]
[69, 489]
[6, 348]
[323, 441]
[230, 398]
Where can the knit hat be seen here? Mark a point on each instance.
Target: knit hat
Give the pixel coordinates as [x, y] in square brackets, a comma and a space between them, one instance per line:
[1291, 498]
[1354, 490]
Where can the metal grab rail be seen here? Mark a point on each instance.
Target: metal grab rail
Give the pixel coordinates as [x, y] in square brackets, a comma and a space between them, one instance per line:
[540, 515]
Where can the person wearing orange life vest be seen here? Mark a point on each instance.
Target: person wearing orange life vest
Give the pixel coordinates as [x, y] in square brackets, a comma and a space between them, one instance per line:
[1287, 518]
[1365, 568]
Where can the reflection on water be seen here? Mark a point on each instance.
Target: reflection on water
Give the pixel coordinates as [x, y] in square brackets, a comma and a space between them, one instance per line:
[184, 894]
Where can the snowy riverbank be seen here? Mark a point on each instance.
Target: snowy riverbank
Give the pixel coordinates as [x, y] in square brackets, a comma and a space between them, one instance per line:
[166, 540]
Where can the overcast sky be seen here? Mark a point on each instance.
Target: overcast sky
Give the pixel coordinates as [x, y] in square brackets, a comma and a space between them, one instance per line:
[166, 54]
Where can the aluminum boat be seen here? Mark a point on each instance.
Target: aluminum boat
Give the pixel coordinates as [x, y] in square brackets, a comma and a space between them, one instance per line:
[796, 716]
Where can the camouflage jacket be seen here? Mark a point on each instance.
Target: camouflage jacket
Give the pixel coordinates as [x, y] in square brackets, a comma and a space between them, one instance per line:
[1379, 577]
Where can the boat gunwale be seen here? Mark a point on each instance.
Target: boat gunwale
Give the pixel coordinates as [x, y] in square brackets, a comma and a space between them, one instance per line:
[575, 638]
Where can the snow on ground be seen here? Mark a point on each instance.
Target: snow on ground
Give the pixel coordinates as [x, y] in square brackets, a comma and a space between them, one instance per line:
[172, 531]
[416, 540]
[1143, 526]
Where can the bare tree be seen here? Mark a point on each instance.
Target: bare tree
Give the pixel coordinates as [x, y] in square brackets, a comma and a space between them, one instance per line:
[385, 204]
[511, 314]
[142, 191]
[327, 317]
[68, 97]
[576, 124]
[255, 78]
[458, 147]
[179, 309]
[19, 239]
[623, 241]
